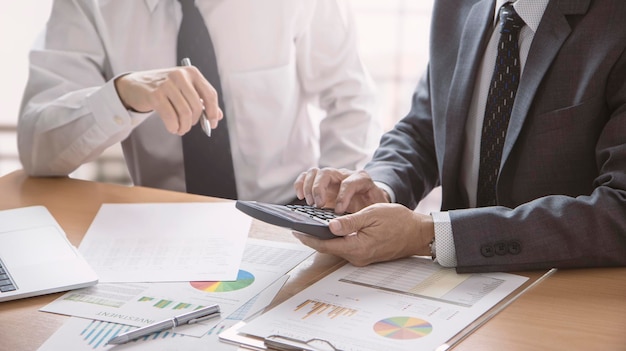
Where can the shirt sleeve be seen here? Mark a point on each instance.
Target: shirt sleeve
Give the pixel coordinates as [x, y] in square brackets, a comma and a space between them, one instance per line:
[70, 111]
[329, 67]
[444, 241]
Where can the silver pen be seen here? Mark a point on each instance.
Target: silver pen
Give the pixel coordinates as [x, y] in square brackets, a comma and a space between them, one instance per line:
[192, 317]
[204, 120]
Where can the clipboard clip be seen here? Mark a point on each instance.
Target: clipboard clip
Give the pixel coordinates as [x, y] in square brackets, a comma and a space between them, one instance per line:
[284, 343]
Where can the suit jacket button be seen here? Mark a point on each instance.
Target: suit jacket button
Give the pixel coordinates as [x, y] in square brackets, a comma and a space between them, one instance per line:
[515, 247]
[487, 250]
[500, 248]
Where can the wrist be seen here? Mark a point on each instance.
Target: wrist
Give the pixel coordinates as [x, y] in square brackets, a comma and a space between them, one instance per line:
[433, 249]
[119, 88]
[431, 235]
[386, 192]
[386, 196]
[123, 87]
[426, 235]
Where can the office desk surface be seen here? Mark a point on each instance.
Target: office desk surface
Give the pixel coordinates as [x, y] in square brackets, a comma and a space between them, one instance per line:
[570, 310]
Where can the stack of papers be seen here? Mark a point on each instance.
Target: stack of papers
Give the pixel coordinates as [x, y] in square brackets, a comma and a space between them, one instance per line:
[157, 261]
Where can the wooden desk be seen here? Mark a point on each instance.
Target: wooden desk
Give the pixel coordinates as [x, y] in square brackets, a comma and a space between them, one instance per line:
[571, 310]
[74, 204]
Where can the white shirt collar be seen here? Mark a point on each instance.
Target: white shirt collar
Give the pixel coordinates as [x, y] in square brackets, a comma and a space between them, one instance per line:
[531, 11]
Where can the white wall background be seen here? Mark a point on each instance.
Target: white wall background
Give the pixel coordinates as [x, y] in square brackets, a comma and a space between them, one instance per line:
[20, 22]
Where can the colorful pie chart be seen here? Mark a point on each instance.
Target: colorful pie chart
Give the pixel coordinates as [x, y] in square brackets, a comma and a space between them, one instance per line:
[403, 328]
[244, 279]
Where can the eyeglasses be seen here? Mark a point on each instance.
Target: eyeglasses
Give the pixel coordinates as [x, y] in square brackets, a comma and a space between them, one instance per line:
[284, 343]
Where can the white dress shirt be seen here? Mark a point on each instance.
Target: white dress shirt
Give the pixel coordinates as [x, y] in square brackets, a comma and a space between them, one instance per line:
[296, 94]
[531, 11]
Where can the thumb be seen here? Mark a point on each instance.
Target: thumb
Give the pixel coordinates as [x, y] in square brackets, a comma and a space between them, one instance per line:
[346, 225]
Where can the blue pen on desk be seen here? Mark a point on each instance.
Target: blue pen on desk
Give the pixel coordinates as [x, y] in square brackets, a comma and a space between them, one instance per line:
[204, 120]
[192, 317]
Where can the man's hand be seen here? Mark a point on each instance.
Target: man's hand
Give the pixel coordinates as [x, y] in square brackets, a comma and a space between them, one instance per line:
[341, 189]
[380, 232]
[178, 94]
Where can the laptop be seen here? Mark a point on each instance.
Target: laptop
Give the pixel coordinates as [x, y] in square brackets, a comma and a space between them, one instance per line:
[35, 256]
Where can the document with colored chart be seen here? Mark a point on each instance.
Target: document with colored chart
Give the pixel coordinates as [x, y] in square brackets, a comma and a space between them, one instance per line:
[139, 304]
[79, 334]
[408, 304]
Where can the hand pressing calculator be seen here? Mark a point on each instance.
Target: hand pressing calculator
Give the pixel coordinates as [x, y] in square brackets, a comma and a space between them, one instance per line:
[306, 219]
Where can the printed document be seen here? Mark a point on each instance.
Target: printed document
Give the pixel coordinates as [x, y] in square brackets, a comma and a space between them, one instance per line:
[139, 304]
[408, 304]
[166, 242]
[78, 334]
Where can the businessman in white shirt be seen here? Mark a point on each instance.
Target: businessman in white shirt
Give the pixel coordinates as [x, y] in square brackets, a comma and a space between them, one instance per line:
[98, 73]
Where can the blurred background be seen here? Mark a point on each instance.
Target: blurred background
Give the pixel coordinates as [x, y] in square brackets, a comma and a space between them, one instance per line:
[393, 41]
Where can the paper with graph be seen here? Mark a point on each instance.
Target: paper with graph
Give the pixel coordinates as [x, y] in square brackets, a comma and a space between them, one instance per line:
[79, 334]
[139, 304]
[408, 304]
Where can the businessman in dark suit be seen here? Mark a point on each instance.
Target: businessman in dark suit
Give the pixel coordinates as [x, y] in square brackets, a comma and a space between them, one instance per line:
[558, 191]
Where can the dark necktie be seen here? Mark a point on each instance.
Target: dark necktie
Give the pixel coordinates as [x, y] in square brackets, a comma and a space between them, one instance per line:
[499, 104]
[208, 160]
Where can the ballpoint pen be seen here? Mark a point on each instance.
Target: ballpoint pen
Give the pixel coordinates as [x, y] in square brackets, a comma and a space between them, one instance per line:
[204, 120]
[187, 318]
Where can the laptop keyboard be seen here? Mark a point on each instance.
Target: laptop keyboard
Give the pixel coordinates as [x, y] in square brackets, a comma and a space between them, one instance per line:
[6, 284]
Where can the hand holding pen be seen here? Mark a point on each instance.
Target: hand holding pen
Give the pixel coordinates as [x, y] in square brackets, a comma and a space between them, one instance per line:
[204, 120]
[192, 317]
[180, 95]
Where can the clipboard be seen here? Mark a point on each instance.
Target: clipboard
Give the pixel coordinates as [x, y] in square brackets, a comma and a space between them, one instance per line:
[272, 342]
[248, 342]
[275, 342]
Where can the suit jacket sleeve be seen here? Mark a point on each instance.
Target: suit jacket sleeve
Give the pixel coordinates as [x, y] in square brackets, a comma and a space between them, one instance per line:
[588, 230]
[405, 159]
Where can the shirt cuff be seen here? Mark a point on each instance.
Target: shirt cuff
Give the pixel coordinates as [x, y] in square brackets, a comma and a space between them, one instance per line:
[110, 113]
[387, 189]
[444, 241]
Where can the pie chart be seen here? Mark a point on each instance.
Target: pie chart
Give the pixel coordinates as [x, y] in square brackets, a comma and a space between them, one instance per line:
[244, 279]
[403, 328]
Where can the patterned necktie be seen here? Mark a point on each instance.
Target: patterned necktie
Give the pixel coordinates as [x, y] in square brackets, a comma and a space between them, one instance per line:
[208, 161]
[500, 100]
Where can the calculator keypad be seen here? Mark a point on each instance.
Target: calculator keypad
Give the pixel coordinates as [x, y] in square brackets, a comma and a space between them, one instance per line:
[320, 214]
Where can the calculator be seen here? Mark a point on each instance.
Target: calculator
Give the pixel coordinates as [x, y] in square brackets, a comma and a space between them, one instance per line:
[306, 219]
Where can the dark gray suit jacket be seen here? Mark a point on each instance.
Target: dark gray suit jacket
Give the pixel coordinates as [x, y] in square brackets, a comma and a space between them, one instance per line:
[561, 190]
